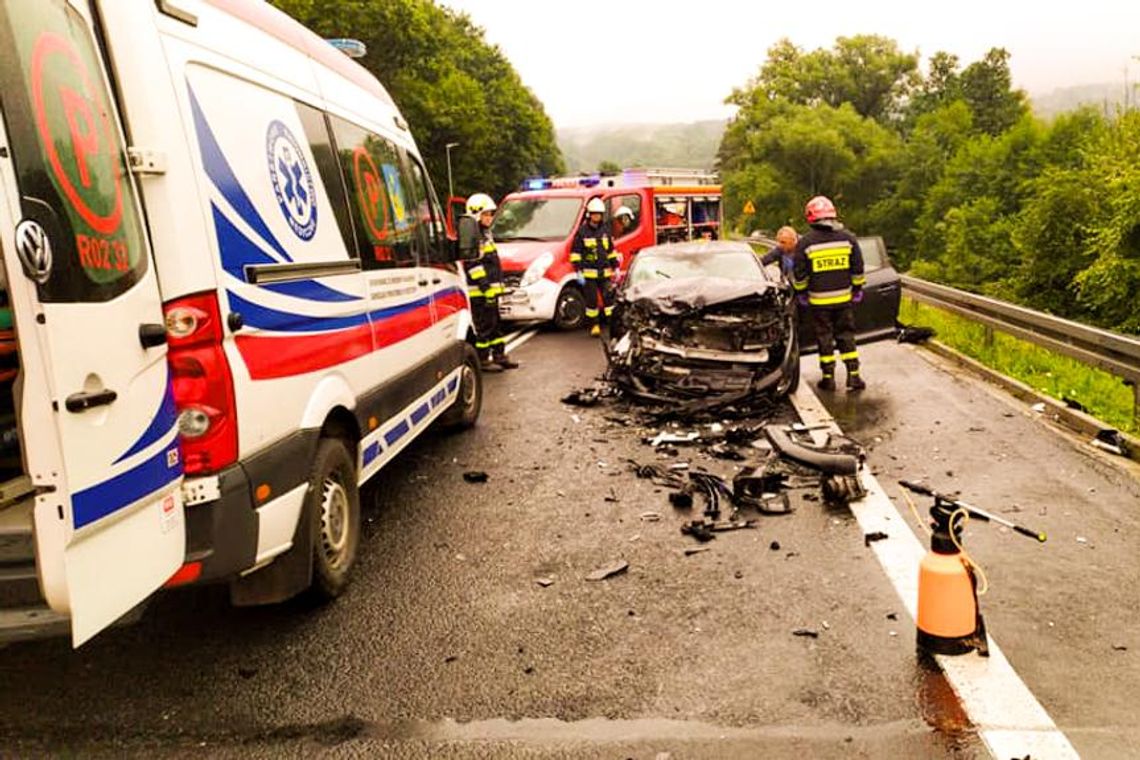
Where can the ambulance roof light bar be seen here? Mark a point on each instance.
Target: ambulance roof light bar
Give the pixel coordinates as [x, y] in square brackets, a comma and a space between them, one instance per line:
[350, 47]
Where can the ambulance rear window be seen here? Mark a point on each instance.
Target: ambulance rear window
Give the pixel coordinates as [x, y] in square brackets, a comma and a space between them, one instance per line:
[75, 189]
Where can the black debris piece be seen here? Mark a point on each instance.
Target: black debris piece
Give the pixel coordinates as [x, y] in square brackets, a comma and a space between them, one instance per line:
[873, 536]
[658, 475]
[609, 571]
[1113, 441]
[840, 490]
[691, 550]
[914, 334]
[892, 616]
[247, 673]
[681, 499]
[475, 476]
[828, 460]
[544, 582]
[582, 397]
[723, 451]
[738, 575]
[810, 633]
[1072, 403]
[699, 530]
[450, 659]
[774, 546]
[1120, 647]
[811, 497]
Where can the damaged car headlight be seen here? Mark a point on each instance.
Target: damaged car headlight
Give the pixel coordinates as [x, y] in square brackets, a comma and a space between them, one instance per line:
[537, 269]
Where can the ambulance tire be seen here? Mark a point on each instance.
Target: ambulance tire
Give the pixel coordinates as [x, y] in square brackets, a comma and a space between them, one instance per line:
[465, 411]
[570, 309]
[332, 503]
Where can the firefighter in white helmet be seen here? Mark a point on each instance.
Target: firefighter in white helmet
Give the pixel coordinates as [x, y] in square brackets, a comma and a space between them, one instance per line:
[594, 257]
[484, 281]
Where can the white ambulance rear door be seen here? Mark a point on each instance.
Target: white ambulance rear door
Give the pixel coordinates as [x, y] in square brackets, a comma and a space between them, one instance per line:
[96, 412]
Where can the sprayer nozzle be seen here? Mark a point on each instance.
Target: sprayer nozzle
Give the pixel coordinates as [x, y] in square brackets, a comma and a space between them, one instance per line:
[1041, 537]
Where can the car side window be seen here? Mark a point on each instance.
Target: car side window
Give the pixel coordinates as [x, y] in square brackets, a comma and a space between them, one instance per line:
[873, 254]
[378, 191]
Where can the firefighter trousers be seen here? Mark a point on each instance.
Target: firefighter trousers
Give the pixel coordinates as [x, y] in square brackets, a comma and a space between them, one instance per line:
[489, 340]
[594, 288]
[835, 326]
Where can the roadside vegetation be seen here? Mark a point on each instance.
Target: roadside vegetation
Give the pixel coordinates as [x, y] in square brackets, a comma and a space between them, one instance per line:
[451, 85]
[1103, 395]
[950, 166]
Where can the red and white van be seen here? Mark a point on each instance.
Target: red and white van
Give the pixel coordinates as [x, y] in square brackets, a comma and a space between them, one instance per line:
[232, 302]
[535, 227]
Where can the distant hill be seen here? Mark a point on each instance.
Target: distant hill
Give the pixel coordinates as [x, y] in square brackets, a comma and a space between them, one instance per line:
[1105, 95]
[681, 146]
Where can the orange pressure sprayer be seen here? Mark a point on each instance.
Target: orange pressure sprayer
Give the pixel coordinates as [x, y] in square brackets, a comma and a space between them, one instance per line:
[949, 619]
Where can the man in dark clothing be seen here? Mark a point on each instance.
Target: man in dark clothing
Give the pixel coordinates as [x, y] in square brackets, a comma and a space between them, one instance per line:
[783, 252]
[828, 276]
[595, 259]
[484, 281]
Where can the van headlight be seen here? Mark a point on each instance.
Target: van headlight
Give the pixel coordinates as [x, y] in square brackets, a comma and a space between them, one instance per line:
[537, 269]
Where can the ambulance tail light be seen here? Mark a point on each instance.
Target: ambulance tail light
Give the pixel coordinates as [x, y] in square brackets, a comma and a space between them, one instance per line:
[203, 387]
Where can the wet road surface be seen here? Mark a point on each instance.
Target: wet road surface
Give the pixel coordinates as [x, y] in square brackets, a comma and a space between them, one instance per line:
[445, 646]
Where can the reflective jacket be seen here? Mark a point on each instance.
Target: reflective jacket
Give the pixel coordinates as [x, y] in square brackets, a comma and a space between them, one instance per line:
[480, 260]
[828, 266]
[593, 253]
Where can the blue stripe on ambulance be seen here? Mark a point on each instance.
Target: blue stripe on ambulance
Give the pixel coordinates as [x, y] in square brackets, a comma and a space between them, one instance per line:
[125, 489]
[164, 419]
[398, 432]
[371, 452]
[222, 175]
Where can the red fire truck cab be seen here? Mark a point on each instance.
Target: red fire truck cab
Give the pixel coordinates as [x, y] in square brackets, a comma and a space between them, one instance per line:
[535, 227]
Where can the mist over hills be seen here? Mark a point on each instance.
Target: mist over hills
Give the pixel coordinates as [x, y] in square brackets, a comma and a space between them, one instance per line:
[683, 146]
[1108, 96]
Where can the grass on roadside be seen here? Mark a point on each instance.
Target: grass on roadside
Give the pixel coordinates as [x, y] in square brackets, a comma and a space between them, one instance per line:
[1105, 396]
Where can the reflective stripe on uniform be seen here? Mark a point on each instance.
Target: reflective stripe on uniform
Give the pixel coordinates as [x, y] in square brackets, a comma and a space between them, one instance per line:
[849, 355]
[487, 247]
[608, 273]
[609, 310]
[591, 313]
[477, 272]
[590, 274]
[575, 258]
[826, 359]
[590, 242]
[800, 285]
[858, 280]
[830, 297]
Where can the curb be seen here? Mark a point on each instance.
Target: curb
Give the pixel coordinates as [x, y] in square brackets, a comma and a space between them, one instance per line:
[1072, 419]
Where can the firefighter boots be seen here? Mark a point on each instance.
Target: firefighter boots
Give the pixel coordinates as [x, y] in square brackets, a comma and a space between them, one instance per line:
[826, 383]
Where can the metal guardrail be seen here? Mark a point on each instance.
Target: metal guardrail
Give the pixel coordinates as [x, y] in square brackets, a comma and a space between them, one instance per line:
[1113, 352]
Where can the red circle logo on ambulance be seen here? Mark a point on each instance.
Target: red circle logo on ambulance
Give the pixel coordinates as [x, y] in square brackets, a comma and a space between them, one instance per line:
[292, 181]
[370, 195]
[73, 119]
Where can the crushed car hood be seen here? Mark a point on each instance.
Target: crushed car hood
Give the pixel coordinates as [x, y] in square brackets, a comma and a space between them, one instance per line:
[675, 297]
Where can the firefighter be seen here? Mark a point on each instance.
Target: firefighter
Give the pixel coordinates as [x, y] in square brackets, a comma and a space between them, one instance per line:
[595, 260]
[623, 221]
[484, 281]
[828, 278]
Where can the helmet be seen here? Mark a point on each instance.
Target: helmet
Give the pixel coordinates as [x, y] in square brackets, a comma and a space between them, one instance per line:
[596, 206]
[819, 208]
[624, 211]
[478, 203]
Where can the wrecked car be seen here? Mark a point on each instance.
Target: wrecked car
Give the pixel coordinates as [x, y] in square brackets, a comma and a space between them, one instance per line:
[703, 320]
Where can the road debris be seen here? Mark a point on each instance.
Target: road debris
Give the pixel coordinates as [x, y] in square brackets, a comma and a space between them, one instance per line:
[774, 546]
[544, 582]
[584, 397]
[650, 516]
[830, 459]
[691, 550]
[810, 633]
[609, 571]
[877, 535]
[914, 333]
[1112, 441]
[475, 476]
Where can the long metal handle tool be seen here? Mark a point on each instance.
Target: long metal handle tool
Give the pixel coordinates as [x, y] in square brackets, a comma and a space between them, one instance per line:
[977, 512]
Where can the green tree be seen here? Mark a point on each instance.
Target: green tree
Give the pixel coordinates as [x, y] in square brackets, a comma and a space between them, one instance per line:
[609, 167]
[450, 84]
[987, 88]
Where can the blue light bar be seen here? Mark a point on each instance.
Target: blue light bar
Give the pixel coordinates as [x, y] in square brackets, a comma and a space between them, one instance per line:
[351, 48]
[536, 183]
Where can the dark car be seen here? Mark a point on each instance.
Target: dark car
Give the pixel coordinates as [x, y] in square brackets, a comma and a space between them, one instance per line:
[703, 320]
[876, 316]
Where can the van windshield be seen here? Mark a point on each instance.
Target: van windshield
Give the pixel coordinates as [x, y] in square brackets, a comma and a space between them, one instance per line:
[536, 218]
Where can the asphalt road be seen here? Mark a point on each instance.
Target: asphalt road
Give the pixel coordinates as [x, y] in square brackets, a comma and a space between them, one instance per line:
[445, 646]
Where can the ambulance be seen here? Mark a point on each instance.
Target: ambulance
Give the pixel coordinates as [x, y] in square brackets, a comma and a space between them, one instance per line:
[535, 227]
[228, 300]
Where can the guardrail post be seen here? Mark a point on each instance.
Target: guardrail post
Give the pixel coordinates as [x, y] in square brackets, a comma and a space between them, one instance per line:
[1135, 404]
[988, 336]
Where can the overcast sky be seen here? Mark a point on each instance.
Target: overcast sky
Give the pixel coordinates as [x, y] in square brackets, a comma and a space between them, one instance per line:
[670, 60]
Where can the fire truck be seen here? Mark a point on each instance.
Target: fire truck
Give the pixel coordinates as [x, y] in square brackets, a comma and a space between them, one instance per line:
[535, 226]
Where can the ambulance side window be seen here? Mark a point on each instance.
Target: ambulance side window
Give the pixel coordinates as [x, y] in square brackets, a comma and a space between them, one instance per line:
[427, 210]
[317, 133]
[69, 157]
[382, 209]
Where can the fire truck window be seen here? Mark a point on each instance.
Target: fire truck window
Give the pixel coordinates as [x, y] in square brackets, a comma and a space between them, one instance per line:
[75, 192]
[672, 220]
[384, 214]
[623, 227]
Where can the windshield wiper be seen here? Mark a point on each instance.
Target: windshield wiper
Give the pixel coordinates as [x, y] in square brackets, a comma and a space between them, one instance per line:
[523, 237]
[659, 273]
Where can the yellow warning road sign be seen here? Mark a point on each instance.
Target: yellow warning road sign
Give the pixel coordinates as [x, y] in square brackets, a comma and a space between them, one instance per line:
[749, 208]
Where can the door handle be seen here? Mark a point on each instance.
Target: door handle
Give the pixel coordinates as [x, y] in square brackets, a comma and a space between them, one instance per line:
[152, 334]
[436, 280]
[79, 402]
[422, 283]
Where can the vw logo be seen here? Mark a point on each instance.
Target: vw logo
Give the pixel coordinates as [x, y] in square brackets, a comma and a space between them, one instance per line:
[292, 181]
[34, 250]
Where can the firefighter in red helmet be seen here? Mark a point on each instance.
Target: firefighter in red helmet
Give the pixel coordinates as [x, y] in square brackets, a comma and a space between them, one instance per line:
[828, 278]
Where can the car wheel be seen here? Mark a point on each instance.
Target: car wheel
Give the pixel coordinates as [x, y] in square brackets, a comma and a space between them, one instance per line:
[333, 504]
[791, 380]
[570, 309]
[465, 411]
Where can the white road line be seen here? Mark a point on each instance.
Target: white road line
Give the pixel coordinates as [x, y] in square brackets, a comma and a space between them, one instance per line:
[1009, 719]
[514, 343]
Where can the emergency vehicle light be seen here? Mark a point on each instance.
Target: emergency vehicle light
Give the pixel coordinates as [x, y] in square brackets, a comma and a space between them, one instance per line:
[351, 48]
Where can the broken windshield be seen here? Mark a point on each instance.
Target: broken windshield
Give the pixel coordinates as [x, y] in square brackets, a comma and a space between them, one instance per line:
[536, 218]
[732, 265]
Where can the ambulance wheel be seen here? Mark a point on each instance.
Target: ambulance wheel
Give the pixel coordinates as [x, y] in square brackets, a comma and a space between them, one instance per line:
[570, 309]
[333, 505]
[465, 411]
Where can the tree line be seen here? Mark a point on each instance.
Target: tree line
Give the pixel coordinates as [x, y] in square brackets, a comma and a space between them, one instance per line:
[951, 167]
[451, 85]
